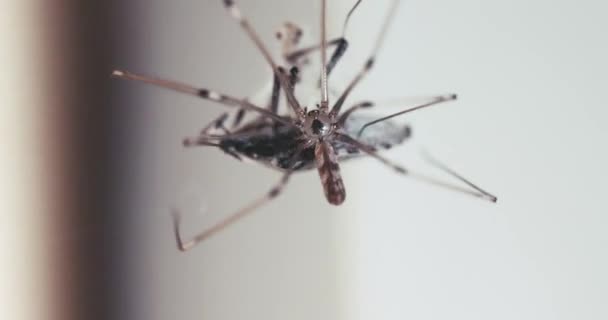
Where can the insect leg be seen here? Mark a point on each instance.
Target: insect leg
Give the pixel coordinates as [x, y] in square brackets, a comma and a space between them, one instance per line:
[209, 141]
[269, 196]
[274, 98]
[244, 23]
[341, 46]
[349, 111]
[238, 117]
[435, 100]
[201, 93]
[350, 13]
[217, 123]
[368, 63]
[478, 192]
[273, 105]
[276, 87]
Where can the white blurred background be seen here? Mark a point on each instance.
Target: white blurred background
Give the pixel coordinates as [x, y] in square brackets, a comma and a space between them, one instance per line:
[531, 77]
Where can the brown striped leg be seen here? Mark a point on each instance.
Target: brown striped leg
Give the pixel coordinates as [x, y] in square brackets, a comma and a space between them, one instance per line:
[479, 192]
[245, 25]
[368, 63]
[202, 93]
[269, 196]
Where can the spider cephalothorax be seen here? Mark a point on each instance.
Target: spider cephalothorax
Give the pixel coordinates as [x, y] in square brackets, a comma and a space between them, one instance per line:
[318, 124]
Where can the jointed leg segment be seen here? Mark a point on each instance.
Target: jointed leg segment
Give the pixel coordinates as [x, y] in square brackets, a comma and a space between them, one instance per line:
[201, 93]
[244, 23]
[270, 195]
[480, 193]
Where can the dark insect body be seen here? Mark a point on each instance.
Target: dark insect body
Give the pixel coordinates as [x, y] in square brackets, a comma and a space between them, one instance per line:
[304, 139]
[273, 145]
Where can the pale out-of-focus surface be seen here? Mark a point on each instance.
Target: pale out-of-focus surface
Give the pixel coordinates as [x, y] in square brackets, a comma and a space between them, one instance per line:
[529, 127]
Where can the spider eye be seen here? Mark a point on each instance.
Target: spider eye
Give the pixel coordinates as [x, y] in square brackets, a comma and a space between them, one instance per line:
[313, 113]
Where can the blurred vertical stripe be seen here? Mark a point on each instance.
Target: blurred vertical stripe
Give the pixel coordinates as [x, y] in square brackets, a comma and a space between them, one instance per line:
[58, 222]
[24, 286]
[79, 45]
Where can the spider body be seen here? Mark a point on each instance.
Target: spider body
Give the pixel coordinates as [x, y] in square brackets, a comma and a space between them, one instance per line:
[304, 139]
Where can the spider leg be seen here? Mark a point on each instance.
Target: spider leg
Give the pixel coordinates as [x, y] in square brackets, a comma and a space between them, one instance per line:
[370, 150]
[270, 195]
[235, 12]
[324, 86]
[456, 175]
[202, 93]
[368, 63]
[220, 225]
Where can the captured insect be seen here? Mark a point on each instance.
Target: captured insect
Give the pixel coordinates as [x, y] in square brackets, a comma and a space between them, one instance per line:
[304, 139]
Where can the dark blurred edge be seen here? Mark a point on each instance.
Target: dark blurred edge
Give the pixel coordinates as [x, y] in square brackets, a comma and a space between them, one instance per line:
[85, 125]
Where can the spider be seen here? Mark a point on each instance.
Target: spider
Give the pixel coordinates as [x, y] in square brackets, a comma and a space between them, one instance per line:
[304, 139]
